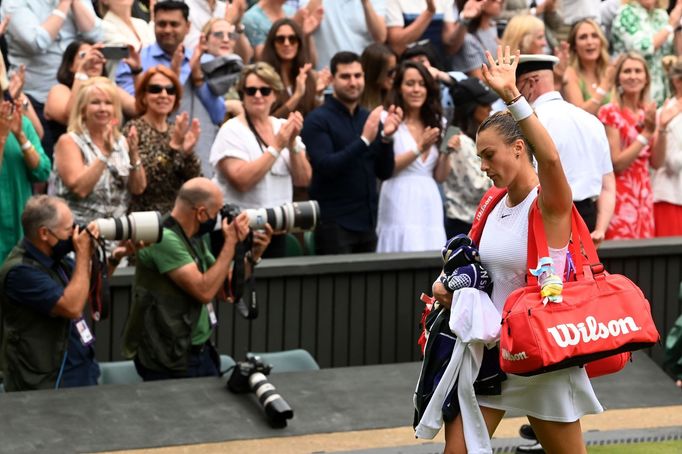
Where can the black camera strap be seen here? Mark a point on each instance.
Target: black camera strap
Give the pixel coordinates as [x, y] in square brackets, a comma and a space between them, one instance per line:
[237, 284]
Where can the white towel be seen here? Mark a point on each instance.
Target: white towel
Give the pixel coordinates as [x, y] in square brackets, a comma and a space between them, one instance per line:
[476, 323]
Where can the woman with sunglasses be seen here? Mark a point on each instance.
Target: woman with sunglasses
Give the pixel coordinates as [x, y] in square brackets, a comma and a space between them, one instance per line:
[410, 216]
[287, 52]
[95, 169]
[257, 157]
[379, 64]
[166, 147]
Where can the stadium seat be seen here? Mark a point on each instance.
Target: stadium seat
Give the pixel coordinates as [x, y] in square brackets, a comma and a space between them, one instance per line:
[288, 360]
[293, 246]
[226, 362]
[309, 242]
[118, 373]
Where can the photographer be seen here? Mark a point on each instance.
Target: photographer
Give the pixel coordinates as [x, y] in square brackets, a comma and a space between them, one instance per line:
[176, 281]
[46, 341]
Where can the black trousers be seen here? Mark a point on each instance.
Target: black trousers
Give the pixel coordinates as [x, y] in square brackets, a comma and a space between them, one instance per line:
[331, 238]
[588, 211]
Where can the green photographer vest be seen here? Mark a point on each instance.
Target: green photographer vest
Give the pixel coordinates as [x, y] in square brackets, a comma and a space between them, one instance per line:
[33, 345]
[159, 327]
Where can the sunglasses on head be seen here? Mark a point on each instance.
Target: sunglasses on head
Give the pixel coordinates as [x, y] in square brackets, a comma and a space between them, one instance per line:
[251, 91]
[281, 39]
[155, 89]
[221, 35]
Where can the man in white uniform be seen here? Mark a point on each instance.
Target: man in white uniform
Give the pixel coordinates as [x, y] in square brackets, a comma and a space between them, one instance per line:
[580, 139]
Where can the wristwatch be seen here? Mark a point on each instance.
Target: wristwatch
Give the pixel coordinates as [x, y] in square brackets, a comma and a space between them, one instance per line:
[81, 76]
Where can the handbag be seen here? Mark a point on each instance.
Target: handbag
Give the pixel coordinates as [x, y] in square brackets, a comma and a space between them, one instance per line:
[601, 314]
[222, 73]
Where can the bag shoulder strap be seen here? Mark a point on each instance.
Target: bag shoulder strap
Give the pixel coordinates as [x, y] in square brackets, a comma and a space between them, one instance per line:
[581, 247]
[489, 200]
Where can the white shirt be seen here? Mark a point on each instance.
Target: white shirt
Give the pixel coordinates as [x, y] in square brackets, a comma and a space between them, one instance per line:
[667, 179]
[574, 10]
[116, 31]
[199, 14]
[343, 27]
[581, 141]
[235, 140]
[395, 9]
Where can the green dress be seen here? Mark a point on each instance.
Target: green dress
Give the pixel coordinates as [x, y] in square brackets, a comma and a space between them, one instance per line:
[15, 186]
[633, 30]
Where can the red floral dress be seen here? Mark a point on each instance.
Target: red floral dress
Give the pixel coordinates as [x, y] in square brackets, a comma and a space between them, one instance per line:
[634, 213]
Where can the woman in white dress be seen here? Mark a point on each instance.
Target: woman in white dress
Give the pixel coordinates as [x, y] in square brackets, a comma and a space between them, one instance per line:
[410, 207]
[553, 402]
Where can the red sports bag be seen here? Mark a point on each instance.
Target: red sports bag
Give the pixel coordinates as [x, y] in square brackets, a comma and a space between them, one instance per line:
[601, 315]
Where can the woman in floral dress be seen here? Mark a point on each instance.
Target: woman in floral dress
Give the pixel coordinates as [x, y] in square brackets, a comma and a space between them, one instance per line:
[641, 27]
[630, 125]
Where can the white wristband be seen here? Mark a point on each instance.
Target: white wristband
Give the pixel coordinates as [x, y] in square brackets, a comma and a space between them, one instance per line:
[643, 140]
[26, 146]
[272, 151]
[81, 76]
[520, 110]
[600, 91]
[416, 152]
[59, 13]
[669, 28]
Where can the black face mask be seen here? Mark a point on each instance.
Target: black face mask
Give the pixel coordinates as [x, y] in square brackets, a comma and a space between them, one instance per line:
[207, 226]
[62, 248]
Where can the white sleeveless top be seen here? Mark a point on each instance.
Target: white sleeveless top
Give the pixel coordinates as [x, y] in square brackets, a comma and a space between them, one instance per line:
[564, 395]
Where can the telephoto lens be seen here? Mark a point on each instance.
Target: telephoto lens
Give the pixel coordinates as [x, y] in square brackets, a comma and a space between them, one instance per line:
[137, 226]
[250, 375]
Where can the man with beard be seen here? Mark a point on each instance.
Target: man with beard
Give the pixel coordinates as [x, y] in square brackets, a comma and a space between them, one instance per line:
[348, 151]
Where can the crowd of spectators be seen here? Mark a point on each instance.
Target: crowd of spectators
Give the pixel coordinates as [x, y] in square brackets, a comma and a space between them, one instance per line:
[114, 104]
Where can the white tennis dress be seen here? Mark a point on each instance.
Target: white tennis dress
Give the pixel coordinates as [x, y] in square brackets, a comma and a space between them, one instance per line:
[410, 216]
[564, 395]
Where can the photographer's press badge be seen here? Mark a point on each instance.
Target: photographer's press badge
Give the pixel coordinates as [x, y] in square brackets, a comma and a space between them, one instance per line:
[211, 315]
[84, 332]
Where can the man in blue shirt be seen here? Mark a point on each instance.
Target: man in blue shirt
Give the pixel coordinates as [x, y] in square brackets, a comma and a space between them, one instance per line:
[46, 341]
[348, 153]
[171, 26]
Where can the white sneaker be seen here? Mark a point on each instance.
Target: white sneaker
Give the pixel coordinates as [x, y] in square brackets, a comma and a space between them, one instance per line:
[532, 448]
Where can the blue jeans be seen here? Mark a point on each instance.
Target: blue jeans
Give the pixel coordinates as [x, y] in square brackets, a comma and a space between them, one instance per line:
[203, 361]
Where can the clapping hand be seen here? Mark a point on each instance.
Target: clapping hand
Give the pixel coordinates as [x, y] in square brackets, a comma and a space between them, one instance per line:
[16, 82]
[176, 60]
[393, 119]
[185, 134]
[133, 140]
[371, 127]
[311, 20]
[501, 75]
[6, 118]
[428, 138]
[302, 78]
[472, 9]
[650, 117]
[288, 131]
[669, 111]
[4, 25]
[324, 78]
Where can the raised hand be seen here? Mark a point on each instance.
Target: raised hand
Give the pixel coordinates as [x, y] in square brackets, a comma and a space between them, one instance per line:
[296, 120]
[176, 60]
[501, 75]
[301, 78]
[134, 61]
[191, 137]
[179, 130]
[4, 25]
[369, 131]
[93, 61]
[455, 143]
[16, 82]
[15, 119]
[393, 119]
[311, 20]
[285, 134]
[472, 9]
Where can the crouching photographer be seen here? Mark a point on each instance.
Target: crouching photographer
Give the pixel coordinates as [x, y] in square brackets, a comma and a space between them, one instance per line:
[47, 342]
[177, 282]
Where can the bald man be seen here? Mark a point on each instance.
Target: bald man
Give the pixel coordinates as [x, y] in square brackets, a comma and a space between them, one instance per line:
[176, 282]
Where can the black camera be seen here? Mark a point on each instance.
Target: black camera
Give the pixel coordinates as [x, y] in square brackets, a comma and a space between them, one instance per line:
[250, 376]
[288, 217]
